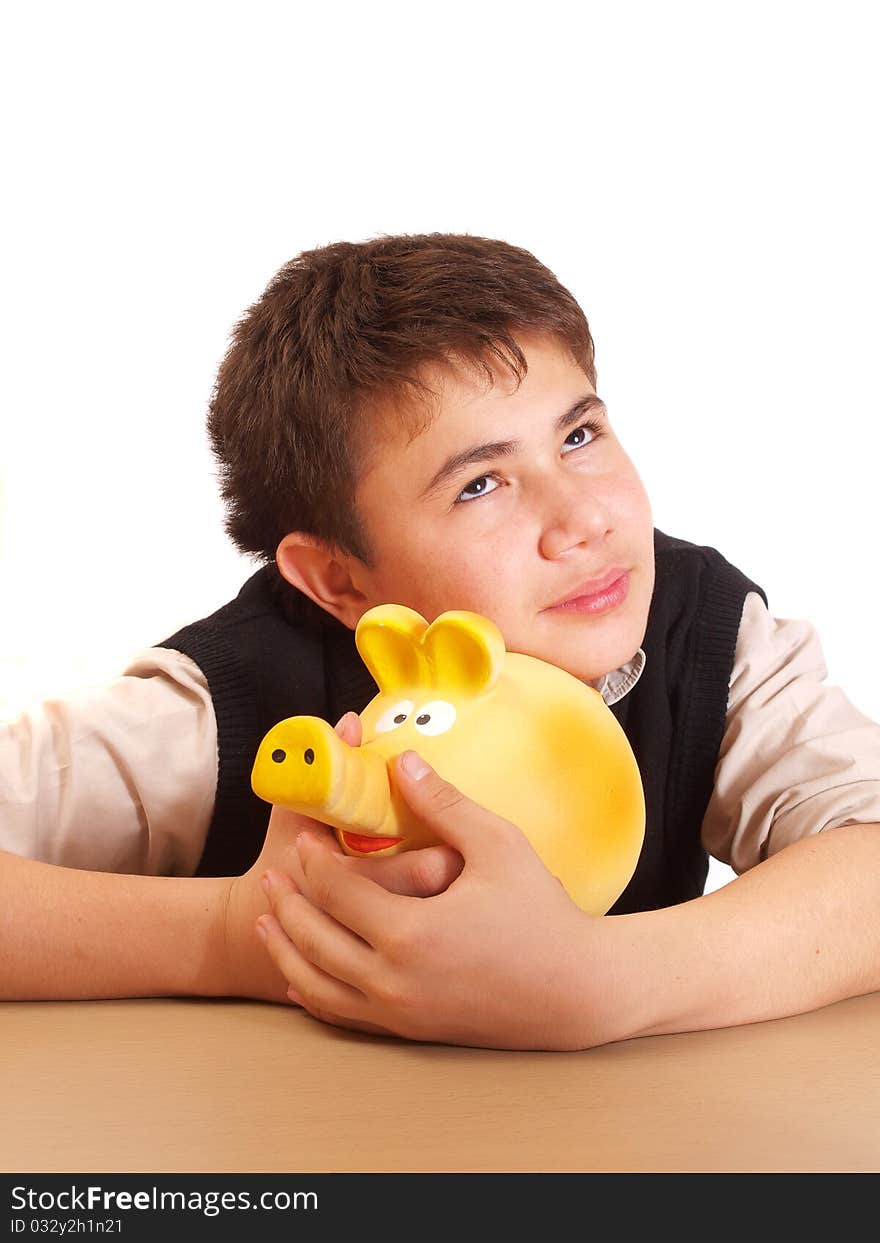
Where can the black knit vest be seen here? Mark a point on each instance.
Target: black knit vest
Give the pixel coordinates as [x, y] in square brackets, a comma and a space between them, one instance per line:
[261, 667]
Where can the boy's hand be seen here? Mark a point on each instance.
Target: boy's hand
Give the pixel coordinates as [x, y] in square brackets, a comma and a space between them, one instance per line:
[502, 958]
[415, 873]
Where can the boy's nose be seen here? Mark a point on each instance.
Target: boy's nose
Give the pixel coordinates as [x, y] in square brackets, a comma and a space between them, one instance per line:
[572, 517]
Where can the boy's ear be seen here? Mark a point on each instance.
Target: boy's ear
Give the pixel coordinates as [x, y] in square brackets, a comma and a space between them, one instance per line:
[310, 565]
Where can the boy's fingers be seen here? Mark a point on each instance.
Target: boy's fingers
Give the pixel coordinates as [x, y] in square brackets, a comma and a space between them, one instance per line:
[285, 827]
[313, 986]
[323, 1016]
[413, 873]
[353, 899]
[476, 833]
[348, 727]
[276, 883]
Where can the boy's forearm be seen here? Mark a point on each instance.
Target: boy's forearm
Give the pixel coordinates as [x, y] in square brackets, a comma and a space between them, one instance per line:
[797, 932]
[66, 933]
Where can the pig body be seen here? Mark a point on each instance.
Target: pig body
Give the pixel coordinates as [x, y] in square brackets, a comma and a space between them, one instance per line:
[514, 733]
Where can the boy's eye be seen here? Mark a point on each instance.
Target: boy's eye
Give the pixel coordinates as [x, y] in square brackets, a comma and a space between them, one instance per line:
[478, 487]
[578, 435]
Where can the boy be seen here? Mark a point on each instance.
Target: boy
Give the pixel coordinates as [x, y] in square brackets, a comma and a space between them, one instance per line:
[415, 420]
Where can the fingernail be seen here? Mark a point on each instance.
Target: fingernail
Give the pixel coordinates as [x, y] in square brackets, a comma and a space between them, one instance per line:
[266, 882]
[261, 930]
[294, 996]
[413, 764]
[302, 839]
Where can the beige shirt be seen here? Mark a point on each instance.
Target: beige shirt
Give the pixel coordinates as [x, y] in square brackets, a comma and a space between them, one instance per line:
[122, 777]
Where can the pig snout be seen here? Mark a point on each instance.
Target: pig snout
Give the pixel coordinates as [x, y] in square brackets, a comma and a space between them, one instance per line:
[304, 765]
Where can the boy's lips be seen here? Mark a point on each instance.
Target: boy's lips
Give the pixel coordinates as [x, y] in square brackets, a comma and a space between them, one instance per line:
[592, 587]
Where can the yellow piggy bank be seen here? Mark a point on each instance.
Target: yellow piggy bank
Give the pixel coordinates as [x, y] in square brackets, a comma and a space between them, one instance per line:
[515, 734]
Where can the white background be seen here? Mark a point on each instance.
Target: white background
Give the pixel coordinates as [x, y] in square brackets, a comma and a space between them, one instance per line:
[703, 177]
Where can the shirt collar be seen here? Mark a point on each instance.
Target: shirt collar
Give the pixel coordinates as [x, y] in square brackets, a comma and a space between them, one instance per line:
[613, 686]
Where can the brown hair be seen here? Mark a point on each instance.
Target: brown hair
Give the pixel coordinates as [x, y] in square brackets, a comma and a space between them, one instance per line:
[338, 342]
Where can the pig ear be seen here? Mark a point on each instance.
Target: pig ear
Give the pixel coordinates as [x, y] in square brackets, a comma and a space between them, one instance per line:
[465, 652]
[387, 638]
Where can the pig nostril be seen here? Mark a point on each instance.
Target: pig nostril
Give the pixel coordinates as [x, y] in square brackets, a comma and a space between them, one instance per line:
[309, 756]
[279, 756]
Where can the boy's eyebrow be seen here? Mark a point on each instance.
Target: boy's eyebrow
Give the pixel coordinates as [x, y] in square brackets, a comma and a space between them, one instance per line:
[504, 448]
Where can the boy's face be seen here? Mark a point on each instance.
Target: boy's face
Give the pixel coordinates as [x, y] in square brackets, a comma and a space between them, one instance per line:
[511, 532]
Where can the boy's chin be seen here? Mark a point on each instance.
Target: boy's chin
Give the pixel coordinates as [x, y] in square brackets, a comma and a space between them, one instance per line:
[590, 647]
[601, 658]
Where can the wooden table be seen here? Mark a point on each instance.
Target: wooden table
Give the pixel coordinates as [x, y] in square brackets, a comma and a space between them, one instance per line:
[240, 1087]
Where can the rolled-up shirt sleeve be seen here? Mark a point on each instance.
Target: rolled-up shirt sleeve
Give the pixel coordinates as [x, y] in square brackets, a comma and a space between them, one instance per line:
[115, 778]
[797, 757]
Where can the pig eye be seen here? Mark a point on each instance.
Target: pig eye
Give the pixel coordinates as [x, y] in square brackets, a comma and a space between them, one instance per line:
[435, 718]
[394, 716]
